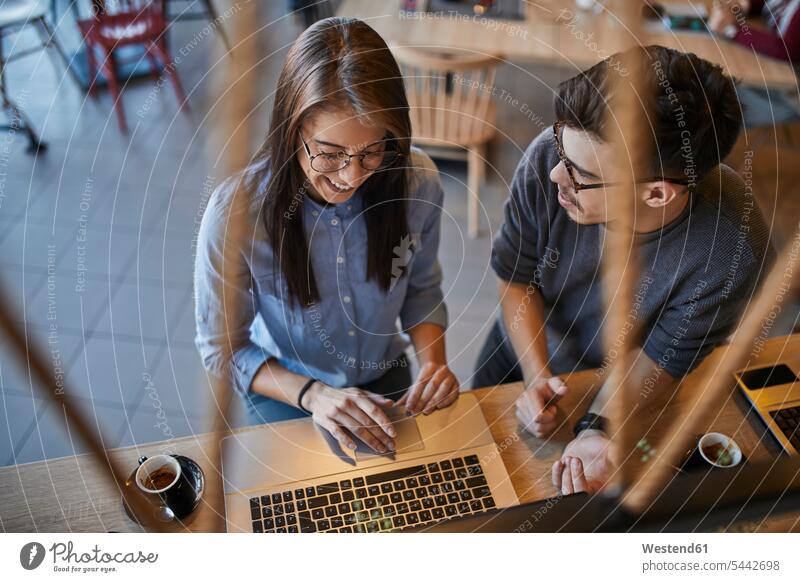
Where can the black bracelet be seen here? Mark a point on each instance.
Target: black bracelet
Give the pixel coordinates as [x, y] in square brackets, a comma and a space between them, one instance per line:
[590, 421]
[303, 391]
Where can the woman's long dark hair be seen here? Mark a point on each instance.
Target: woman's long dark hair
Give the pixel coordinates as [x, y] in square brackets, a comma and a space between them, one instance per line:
[338, 64]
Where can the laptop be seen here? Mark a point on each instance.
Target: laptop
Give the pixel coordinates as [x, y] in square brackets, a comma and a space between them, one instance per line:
[292, 476]
[774, 392]
[751, 497]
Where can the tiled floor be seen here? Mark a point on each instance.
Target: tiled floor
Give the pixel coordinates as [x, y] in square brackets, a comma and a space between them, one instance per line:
[127, 209]
[96, 248]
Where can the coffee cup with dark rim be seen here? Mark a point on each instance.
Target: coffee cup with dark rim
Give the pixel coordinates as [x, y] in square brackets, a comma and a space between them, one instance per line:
[172, 499]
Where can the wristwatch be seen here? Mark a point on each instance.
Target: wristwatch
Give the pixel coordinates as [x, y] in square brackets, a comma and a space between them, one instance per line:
[590, 421]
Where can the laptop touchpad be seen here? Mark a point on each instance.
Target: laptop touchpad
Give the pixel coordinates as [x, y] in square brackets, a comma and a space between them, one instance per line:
[408, 438]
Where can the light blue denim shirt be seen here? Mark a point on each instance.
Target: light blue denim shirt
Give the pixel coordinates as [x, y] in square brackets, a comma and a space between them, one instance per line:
[351, 335]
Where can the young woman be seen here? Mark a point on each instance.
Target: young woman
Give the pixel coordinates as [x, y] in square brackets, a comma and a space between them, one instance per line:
[326, 240]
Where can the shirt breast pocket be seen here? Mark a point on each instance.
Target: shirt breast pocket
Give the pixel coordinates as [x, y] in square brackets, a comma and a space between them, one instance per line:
[272, 295]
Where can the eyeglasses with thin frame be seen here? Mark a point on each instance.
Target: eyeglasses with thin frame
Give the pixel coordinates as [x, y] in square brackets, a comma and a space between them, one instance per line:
[578, 186]
[325, 163]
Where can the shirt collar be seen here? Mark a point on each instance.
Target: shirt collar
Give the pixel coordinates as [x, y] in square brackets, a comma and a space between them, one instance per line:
[343, 210]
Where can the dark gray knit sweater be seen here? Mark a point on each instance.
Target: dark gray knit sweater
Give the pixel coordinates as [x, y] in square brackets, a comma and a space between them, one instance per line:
[697, 274]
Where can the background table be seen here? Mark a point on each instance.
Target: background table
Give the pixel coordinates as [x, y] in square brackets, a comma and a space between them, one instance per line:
[549, 35]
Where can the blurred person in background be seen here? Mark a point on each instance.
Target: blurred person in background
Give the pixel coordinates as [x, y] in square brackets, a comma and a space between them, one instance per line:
[762, 106]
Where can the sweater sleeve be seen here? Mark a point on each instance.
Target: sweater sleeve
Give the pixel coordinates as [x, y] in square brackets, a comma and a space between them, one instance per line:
[515, 249]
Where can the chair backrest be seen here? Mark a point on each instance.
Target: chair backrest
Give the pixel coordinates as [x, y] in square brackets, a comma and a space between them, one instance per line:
[109, 7]
[115, 23]
[450, 94]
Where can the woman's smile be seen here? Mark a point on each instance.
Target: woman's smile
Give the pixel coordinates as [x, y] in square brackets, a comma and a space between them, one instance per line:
[337, 188]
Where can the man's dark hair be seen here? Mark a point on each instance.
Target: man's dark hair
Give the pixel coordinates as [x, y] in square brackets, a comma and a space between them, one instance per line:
[694, 113]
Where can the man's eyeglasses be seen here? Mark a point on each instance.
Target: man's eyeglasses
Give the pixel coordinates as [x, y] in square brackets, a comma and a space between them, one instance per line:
[578, 186]
[370, 161]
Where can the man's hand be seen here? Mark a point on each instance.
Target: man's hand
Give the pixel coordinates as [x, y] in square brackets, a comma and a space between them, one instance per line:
[722, 14]
[344, 412]
[584, 465]
[436, 387]
[536, 409]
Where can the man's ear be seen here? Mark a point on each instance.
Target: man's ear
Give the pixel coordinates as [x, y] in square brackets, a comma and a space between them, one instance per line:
[660, 194]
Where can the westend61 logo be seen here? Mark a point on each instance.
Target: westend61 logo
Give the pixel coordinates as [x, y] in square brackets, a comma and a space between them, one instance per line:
[65, 559]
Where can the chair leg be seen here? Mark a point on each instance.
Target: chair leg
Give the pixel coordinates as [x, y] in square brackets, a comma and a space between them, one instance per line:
[169, 69]
[20, 122]
[92, 71]
[49, 40]
[475, 174]
[15, 115]
[213, 16]
[110, 73]
[151, 58]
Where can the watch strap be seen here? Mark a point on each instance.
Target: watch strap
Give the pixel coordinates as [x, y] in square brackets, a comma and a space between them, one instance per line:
[590, 421]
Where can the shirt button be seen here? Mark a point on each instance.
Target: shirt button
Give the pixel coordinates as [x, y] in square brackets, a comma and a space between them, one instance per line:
[334, 221]
[314, 213]
[346, 299]
[351, 333]
[340, 260]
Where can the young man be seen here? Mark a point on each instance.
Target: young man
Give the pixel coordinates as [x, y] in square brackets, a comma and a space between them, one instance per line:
[701, 243]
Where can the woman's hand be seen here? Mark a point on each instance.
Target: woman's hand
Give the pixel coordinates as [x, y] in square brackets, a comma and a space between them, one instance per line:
[351, 411]
[436, 387]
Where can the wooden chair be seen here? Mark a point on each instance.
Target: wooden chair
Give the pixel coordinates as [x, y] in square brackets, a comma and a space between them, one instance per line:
[122, 23]
[452, 111]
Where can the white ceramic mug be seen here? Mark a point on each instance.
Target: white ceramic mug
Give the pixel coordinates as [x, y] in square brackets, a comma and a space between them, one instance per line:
[714, 438]
[153, 464]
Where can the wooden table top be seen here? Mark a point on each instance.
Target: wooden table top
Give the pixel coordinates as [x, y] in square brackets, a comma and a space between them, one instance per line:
[70, 493]
[556, 32]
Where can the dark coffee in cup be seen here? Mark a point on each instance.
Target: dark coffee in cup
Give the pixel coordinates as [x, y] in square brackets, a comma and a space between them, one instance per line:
[167, 488]
[159, 479]
[719, 450]
[157, 473]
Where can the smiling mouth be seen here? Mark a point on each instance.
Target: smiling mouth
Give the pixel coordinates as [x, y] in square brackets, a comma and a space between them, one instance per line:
[337, 186]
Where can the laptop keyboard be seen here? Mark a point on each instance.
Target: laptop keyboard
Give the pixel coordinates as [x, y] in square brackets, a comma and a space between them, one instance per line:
[387, 501]
[788, 420]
